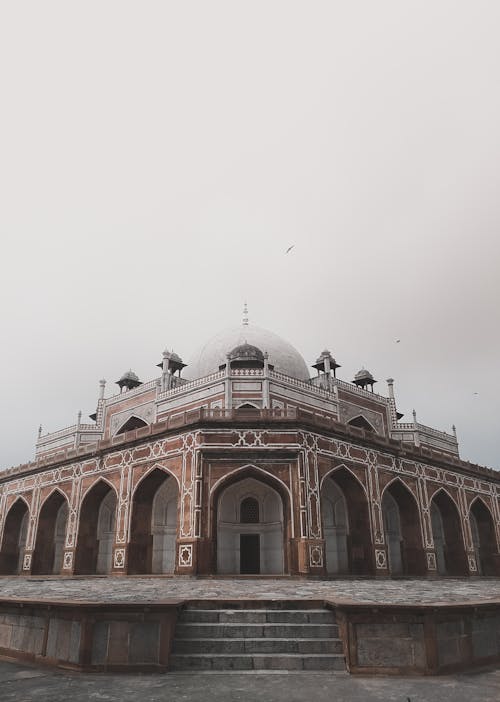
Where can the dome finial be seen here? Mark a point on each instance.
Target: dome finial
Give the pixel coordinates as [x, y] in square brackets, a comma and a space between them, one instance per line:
[245, 315]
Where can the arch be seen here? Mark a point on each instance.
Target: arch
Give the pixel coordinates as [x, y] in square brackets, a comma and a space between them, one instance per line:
[96, 529]
[403, 532]
[247, 406]
[342, 466]
[483, 538]
[348, 543]
[51, 531]
[258, 473]
[14, 538]
[273, 531]
[153, 525]
[447, 534]
[249, 511]
[156, 466]
[361, 422]
[130, 424]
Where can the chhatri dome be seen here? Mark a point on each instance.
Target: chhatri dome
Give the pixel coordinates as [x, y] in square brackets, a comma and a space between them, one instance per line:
[282, 355]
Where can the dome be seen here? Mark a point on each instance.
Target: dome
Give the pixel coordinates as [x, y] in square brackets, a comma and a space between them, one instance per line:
[363, 374]
[213, 354]
[246, 352]
[130, 375]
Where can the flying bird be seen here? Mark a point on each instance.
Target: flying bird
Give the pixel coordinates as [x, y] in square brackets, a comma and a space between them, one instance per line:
[289, 248]
[398, 341]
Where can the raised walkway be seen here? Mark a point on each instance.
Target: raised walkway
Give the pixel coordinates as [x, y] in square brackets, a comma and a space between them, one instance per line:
[410, 591]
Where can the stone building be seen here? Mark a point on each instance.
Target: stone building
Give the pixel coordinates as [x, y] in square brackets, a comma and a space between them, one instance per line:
[241, 463]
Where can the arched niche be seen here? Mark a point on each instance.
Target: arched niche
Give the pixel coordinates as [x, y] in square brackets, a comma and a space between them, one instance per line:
[447, 535]
[96, 531]
[361, 423]
[153, 526]
[346, 524]
[50, 535]
[14, 538]
[402, 529]
[132, 424]
[250, 529]
[484, 540]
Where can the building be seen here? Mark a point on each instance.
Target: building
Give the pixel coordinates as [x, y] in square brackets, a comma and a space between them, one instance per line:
[241, 463]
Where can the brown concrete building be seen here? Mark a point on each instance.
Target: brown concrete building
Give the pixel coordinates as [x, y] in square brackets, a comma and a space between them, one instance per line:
[248, 465]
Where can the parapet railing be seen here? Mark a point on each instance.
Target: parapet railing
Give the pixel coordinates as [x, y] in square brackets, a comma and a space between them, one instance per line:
[251, 418]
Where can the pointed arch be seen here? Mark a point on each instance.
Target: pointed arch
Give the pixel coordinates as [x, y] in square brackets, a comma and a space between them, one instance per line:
[353, 536]
[448, 535]
[247, 405]
[96, 528]
[484, 537]
[403, 529]
[349, 470]
[14, 537]
[151, 469]
[131, 424]
[361, 422]
[153, 523]
[273, 532]
[51, 531]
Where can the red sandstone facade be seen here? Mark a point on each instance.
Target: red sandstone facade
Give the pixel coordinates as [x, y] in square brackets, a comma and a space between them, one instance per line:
[250, 468]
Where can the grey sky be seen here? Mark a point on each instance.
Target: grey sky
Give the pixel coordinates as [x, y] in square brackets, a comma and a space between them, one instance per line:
[157, 158]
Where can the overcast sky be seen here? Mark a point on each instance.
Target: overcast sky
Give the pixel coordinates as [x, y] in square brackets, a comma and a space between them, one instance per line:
[157, 158]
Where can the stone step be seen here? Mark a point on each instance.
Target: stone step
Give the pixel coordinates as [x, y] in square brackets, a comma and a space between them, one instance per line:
[260, 645]
[255, 661]
[258, 616]
[196, 630]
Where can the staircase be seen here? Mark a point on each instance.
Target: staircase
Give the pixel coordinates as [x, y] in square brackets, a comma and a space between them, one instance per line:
[274, 636]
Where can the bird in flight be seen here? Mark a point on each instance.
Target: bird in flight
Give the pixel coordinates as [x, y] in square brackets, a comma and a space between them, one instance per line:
[398, 341]
[289, 248]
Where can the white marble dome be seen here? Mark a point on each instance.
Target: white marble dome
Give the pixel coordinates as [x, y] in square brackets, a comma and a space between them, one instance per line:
[282, 355]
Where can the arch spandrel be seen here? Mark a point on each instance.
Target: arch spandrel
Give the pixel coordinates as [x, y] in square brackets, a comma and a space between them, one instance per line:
[171, 469]
[327, 468]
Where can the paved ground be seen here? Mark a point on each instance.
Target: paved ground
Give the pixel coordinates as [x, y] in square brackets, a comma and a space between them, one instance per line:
[21, 683]
[140, 589]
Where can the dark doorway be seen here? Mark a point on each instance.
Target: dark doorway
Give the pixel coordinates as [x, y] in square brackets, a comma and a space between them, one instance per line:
[53, 513]
[14, 539]
[249, 554]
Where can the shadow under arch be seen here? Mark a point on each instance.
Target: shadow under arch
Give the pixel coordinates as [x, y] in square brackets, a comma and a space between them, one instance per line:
[448, 535]
[14, 538]
[403, 531]
[132, 423]
[261, 476]
[355, 534]
[96, 529]
[153, 523]
[484, 538]
[50, 535]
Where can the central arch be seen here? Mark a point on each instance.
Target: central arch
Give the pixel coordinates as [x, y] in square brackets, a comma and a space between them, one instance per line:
[402, 530]
[14, 538]
[96, 531]
[153, 527]
[251, 524]
[346, 524]
[51, 532]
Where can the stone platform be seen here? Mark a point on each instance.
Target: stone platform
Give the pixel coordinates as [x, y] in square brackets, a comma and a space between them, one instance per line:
[126, 624]
[137, 589]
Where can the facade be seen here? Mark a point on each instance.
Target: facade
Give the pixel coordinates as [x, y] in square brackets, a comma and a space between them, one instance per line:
[241, 463]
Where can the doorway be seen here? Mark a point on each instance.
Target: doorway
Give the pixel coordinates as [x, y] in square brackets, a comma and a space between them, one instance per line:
[250, 554]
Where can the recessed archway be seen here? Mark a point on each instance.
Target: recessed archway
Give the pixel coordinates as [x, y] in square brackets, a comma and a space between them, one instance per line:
[51, 532]
[250, 527]
[153, 527]
[14, 538]
[346, 524]
[483, 538]
[96, 531]
[402, 530]
[447, 534]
